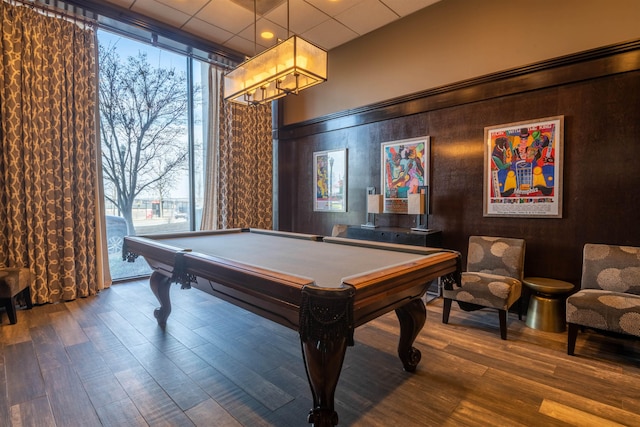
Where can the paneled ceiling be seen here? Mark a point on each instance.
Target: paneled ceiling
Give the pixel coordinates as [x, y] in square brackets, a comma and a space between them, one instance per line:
[230, 23]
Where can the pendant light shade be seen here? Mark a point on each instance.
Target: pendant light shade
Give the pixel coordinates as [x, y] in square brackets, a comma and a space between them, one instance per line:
[288, 67]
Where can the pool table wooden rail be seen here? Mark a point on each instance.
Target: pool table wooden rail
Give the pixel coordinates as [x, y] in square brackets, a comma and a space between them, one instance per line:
[270, 294]
[393, 287]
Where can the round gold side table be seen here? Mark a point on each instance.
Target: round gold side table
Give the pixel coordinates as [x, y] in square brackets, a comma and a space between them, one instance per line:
[547, 303]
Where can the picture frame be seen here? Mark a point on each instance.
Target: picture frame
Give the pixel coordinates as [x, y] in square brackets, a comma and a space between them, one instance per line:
[404, 168]
[330, 180]
[523, 169]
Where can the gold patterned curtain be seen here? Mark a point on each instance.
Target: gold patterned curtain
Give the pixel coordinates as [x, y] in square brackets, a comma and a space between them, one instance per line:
[47, 152]
[239, 166]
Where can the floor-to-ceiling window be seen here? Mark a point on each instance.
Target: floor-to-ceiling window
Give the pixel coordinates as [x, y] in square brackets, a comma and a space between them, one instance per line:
[152, 134]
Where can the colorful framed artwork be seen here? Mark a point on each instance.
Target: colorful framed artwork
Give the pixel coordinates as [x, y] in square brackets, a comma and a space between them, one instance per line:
[523, 169]
[330, 180]
[405, 168]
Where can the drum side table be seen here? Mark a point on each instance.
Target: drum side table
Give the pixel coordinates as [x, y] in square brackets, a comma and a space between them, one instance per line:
[547, 303]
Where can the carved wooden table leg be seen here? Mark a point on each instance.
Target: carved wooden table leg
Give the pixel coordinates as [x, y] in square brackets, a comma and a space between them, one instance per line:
[160, 285]
[326, 329]
[324, 363]
[412, 317]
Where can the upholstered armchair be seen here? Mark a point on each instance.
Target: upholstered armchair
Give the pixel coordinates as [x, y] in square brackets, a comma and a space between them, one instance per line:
[493, 278]
[14, 282]
[609, 295]
[339, 230]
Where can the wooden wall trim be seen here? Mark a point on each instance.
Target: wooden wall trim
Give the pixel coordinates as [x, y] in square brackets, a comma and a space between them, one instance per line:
[597, 93]
[573, 68]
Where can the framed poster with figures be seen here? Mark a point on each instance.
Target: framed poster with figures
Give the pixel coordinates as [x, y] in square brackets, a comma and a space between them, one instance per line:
[523, 169]
[405, 168]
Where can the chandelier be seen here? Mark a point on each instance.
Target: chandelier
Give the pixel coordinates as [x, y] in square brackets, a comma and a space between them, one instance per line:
[288, 67]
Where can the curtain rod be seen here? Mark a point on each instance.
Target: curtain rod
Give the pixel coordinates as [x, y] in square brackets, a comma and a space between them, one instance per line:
[56, 10]
[191, 54]
[60, 8]
[95, 22]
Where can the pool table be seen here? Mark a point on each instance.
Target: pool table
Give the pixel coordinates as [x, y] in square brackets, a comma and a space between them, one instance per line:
[322, 287]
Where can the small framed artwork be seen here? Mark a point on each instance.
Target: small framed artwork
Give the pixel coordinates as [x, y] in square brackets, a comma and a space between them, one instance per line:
[523, 169]
[330, 180]
[405, 168]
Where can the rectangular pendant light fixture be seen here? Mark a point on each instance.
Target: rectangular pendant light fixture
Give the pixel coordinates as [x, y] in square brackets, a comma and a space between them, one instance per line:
[288, 67]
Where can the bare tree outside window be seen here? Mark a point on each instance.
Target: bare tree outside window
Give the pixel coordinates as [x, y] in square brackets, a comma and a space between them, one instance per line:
[147, 130]
[143, 123]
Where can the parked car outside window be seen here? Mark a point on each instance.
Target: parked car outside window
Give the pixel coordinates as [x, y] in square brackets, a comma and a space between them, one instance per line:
[117, 228]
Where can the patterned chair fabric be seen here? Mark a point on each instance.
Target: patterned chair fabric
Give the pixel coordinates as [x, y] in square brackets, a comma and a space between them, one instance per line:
[493, 277]
[339, 230]
[14, 282]
[609, 298]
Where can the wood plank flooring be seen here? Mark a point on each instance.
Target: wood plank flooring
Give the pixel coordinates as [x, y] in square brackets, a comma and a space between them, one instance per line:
[103, 361]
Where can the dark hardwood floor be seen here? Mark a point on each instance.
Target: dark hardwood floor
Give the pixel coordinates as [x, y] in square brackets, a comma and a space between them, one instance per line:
[104, 361]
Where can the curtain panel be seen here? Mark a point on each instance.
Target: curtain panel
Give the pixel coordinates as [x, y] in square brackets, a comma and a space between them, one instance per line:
[48, 152]
[239, 166]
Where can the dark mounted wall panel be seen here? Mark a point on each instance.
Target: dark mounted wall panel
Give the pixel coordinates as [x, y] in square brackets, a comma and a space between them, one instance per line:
[601, 179]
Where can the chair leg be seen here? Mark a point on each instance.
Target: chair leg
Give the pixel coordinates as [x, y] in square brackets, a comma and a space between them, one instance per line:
[446, 309]
[10, 305]
[502, 315]
[571, 338]
[26, 293]
[520, 304]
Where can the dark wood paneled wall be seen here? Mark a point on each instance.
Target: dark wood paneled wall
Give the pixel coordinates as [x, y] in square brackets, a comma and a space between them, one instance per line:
[597, 92]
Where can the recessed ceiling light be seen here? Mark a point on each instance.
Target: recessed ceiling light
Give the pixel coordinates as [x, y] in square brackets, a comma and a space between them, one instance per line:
[266, 35]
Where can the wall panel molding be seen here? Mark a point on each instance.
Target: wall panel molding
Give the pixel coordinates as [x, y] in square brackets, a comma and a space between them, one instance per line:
[598, 93]
[582, 66]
